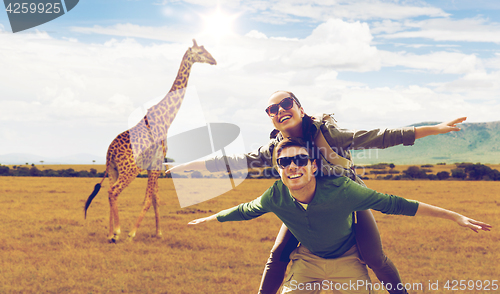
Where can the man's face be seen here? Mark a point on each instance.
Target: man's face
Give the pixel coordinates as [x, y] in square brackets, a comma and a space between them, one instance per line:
[297, 177]
[286, 120]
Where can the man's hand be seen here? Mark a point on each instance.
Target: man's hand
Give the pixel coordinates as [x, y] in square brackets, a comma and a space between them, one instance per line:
[187, 167]
[203, 220]
[473, 224]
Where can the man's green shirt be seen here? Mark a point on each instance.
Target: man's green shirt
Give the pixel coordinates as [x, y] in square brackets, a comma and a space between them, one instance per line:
[325, 226]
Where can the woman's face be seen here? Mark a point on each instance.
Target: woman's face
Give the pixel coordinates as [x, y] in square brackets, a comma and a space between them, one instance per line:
[286, 121]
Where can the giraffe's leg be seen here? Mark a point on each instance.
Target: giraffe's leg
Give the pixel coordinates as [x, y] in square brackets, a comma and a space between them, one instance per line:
[152, 182]
[114, 220]
[156, 205]
[113, 205]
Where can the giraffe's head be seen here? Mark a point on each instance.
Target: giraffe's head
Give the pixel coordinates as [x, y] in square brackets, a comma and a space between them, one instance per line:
[200, 54]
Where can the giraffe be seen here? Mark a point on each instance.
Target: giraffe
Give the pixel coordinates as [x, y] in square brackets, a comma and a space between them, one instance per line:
[144, 147]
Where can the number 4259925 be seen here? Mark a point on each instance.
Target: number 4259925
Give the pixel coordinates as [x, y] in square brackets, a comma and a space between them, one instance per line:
[33, 8]
[485, 285]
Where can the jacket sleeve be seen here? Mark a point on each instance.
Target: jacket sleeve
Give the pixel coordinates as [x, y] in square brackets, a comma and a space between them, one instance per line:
[256, 159]
[244, 211]
[378, 138]
[363, 198]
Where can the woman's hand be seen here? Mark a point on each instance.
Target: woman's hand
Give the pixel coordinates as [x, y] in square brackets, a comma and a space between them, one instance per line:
[442, 128]
[450, 126]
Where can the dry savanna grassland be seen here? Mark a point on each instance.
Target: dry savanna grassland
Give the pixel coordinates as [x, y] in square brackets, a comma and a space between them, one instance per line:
[47, 246]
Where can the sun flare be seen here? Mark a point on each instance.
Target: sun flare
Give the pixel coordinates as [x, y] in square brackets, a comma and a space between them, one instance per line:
[218, 24]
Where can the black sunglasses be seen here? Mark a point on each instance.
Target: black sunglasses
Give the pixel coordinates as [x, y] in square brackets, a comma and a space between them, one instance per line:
[273, 109]
[299, 160]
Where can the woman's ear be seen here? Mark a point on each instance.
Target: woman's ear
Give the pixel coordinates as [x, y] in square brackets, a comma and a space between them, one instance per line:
[302, 112]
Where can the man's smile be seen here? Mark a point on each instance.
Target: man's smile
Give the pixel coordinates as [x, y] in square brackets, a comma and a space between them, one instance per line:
[295, 176]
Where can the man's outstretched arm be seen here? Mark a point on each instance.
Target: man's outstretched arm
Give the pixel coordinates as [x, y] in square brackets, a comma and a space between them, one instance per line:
[434, 211]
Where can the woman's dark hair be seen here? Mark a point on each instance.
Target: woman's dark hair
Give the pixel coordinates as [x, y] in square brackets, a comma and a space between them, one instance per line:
[291, 96]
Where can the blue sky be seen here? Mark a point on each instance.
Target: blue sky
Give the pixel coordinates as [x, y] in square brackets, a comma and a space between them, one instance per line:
[71, 85]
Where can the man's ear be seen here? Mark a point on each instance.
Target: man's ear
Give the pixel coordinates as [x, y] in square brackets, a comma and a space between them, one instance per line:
[314, 167]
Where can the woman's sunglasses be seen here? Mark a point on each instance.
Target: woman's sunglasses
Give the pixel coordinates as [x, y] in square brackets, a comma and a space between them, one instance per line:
[299, 160]
[273, 109]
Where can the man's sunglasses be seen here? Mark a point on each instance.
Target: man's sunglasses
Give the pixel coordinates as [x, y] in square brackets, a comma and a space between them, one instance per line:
[299, 160]
[273, 109]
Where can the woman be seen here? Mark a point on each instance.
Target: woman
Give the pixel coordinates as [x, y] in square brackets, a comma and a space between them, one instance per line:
[290, 120]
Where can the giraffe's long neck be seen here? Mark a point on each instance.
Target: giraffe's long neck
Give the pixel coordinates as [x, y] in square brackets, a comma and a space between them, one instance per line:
[165, 111]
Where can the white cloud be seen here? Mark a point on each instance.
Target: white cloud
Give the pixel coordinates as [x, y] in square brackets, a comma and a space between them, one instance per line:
[169, 34]
[322, 10]
[46, 80]
[437, 62]
[447, 29]
[339, 45]
[256, 34]
[476, 86]
[49, 79]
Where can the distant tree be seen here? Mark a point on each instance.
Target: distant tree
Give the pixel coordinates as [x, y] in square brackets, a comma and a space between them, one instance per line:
[49, 173]
[196, 174]
[35, 172]
[458, 173]
[414, 172]
[432, 177]
[443, 175]
[22, 172]
[93, 172]
[477, 171]
[391, 166]
[4, 170]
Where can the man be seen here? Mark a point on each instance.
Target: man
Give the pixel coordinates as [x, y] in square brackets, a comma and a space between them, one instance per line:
[318, 211]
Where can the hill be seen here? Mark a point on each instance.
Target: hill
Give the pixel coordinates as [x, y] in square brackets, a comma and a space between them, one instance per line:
[476, 142]
[23, 158]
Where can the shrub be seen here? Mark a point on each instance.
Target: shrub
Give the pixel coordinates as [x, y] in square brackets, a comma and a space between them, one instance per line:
[443, 175]
[458, 173]
[196, 174]
[414, 172]
[4, 170]
[35, 172]
[432, 177]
